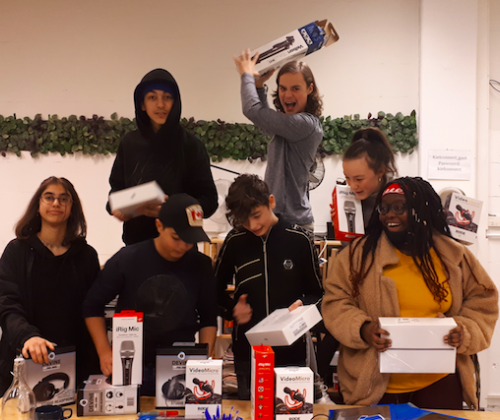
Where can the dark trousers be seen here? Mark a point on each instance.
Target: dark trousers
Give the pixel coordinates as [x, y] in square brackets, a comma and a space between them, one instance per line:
[444, 394]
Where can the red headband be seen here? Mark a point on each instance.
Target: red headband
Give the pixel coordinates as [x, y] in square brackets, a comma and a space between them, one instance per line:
[393, 189]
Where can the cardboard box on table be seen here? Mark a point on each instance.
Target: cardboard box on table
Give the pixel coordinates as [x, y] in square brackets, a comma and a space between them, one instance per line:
[348, 221]
[282, 327]
[294, 393]
[99, 398]
[295, 45]
[418, 345]
[203, 387]
[262, 382]
[171, 373]
[462, 216]
[54, 383]
[127, 348]
[130, 199]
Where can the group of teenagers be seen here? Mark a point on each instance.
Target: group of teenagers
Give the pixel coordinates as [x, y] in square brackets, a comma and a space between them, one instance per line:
[53, 292]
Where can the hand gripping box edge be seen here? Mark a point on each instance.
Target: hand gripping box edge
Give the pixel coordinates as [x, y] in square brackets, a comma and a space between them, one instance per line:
[128, 200]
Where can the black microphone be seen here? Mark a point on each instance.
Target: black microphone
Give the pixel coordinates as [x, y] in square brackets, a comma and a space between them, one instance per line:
[127, 352]
[295, 395]
[464, 213]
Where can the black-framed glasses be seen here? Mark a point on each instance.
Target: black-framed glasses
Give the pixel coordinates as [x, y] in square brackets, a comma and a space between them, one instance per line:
[397, 208]
[63, 199]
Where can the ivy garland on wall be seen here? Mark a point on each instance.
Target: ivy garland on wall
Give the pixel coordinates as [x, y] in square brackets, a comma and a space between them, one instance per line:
[223, 140]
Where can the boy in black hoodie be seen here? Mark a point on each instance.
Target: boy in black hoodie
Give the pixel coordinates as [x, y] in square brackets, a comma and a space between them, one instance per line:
[162, 151]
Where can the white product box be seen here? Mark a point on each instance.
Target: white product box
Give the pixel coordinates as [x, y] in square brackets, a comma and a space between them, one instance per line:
[54, 383]
[295, 45]
[348, 221]
[127, 201]
[282, 327]
[462, 216]
[203, 387]
[418, 345]
[171, 373]
[127, 348]
[294, 393]
[99, 398]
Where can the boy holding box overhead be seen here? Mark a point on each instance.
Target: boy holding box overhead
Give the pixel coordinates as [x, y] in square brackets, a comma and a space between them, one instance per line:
[274, 264]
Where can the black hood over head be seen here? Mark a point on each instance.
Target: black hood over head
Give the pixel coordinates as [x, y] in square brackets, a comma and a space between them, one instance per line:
[172, 125]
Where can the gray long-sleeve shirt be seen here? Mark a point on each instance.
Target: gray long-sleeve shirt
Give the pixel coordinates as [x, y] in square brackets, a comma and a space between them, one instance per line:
[291, 152]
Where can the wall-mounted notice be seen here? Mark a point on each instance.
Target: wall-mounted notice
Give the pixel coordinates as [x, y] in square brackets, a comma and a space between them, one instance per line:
[450, 164]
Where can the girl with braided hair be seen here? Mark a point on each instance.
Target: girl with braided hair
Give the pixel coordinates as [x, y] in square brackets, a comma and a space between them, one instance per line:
[407, 265]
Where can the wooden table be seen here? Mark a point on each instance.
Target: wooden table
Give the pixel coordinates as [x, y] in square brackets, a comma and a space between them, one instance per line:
[148, 404]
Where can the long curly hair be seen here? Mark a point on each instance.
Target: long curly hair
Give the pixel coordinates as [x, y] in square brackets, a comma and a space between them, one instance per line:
[31, 222]
[314, 103]
[425, 218]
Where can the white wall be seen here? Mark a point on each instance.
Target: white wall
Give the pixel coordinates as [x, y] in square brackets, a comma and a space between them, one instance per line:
[86, 57]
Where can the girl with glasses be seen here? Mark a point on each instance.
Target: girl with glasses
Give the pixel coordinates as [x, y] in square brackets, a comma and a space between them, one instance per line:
[45, 274]
[408, 265]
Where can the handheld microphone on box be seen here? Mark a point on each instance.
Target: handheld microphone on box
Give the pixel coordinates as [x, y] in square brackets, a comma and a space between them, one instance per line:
[350, 214]
[127, 352]
[464, 213]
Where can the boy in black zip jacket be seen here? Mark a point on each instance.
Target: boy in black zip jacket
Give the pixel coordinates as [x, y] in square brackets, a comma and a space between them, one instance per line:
[275, 265]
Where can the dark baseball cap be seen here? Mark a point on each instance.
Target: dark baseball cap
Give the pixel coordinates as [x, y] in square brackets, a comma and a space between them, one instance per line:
[184, 214]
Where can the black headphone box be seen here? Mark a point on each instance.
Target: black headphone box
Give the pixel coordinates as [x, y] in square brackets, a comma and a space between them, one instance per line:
[171, 372]
[54, 383]
[98, 397]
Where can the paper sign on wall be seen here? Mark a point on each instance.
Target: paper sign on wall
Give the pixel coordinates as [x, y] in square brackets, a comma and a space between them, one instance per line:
[450, 164]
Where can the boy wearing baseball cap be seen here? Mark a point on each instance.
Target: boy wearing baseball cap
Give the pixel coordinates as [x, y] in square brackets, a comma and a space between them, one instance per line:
[167, 279]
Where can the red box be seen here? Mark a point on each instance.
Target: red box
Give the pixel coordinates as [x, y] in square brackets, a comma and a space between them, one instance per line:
[262, 386]
[348, 221]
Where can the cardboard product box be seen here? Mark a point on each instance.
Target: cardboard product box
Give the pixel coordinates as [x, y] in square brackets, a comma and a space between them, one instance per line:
[171, 373]
[128, 200]
[203, 387]
[99, 398]
[127, 348]
[462, 216]
[348, 221]
[295, 45]
[294, 393]
[282, 327]
[418, 346]
[262, 383]
[54, 383]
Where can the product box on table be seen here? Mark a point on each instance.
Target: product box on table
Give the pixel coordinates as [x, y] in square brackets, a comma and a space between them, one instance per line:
[203, 387]
[295, 45]
[262, 383]
[171, 373]
[99, 398]
[54, 383]
[418, 345]
[127, 348]
[462, 216]
[348, 221]
[284, 327]
[294, 393]
[130, 199]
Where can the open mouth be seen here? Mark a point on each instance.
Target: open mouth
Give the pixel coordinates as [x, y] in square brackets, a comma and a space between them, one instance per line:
[290, 106]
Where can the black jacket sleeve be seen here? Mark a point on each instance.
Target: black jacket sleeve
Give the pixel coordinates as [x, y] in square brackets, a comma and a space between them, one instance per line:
[206, 304]
[117, 177]
[13, 289]
[224, 272]
[313, 290]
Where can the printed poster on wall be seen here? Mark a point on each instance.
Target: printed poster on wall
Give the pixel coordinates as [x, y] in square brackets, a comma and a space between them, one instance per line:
[450, 164]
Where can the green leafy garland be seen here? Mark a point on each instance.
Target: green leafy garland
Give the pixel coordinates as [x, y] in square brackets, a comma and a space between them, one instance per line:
[223, 140]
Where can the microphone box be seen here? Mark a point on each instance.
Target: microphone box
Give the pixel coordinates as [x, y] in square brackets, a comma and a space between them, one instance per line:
[348, 221]
[262, 382]
[282, 327]
[294, 393]
[295, 45]
[462, 216]
[171, 373]
[127, 348]
[129, 200]
[99, 398]
[54, 383]
[203, 387]
[418, 345]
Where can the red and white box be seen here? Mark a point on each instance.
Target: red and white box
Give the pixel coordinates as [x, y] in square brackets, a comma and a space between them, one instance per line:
[294, 393]
[348, 221]
[127, 348]
[203, 387]
[462, 216]
[262, 383]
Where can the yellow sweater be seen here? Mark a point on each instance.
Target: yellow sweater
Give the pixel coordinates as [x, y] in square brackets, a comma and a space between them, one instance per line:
[415, 301]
